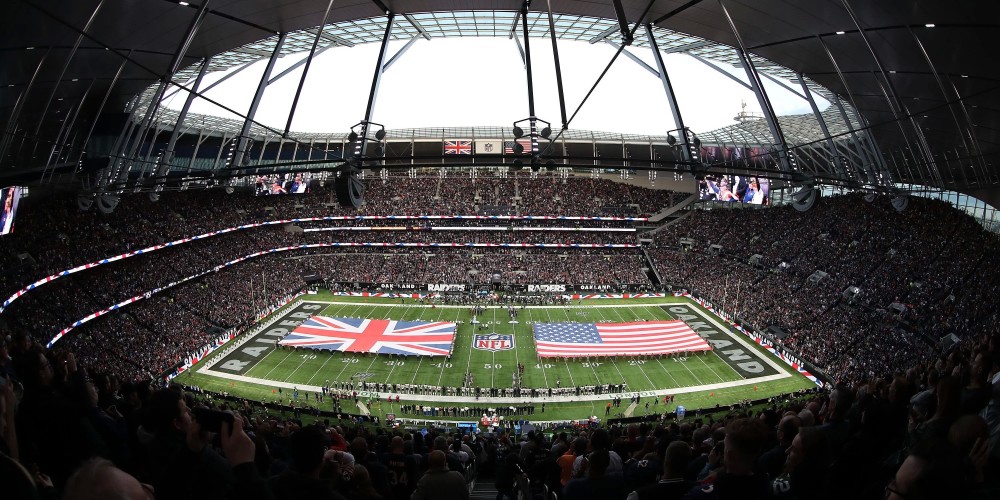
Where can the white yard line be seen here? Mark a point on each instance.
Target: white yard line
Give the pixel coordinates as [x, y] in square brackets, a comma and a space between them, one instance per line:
[493, 357]
[713, 369]
[397, 361]
[417, 370]
[684, 363]
[345, 355]
[541, 362]
[665, 370]
[651, 384]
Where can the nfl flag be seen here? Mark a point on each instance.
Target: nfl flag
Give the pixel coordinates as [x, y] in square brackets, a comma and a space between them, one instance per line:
[616, 339]
[508, 147]
[489, 146]
[410, 338]
[458, 147]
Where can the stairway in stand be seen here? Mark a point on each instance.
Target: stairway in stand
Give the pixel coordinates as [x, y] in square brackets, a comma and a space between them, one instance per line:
[483, 490]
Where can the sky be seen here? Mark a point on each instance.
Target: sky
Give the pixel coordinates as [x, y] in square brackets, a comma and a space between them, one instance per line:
[453, 82]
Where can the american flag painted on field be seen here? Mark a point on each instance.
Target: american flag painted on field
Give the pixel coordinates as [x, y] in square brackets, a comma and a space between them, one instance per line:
[458, 147]
[382, 336]
[616, 339]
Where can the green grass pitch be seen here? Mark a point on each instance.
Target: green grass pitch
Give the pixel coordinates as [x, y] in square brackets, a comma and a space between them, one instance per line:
[496, 369]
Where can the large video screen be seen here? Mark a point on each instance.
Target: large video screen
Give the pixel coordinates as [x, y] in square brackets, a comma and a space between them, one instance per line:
[277, 184]
[9, 197]
[735, 189]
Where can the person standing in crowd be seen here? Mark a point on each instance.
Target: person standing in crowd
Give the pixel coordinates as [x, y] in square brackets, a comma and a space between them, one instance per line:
[672, 484]
[738, 480]
[439, 481]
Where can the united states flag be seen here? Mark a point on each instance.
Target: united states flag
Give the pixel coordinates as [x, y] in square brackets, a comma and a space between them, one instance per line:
[458, 147]
[616, 339]
[410, 338]
[508, 146]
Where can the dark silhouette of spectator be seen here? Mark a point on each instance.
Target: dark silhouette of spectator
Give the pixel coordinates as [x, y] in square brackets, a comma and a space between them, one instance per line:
[598, 482]
[743, 442]
[439, 481]
[672, 485]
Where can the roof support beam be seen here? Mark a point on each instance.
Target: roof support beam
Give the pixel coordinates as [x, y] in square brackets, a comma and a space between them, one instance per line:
[596, 83]
[376, 82]
[119, 172]
[65, 143]
[215, 83]
[634, 58]
[687, 47]
[555, 56]
[400, 52]
[242, 145]
[8, 137]
[875, 160]
[336, 39]
[417, 25]
[163, 167]
[758, 88]
[604, 34]
[62, 72]
[971, 149]
[305, 71]
[781, 84]
[896, 104]
[678, 10]
[520, 49]
[822, 126]
[298, 64]
[971, 130]
[513, 27]
[622, 22]
[668, 89]
[530, 79]
[721, 71]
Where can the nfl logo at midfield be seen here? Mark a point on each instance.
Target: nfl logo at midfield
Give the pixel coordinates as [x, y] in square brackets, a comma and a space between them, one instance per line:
[493, 342]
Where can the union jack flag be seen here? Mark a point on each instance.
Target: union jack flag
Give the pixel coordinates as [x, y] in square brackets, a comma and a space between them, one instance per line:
[458, 147]
[409, 338]
[508, 146]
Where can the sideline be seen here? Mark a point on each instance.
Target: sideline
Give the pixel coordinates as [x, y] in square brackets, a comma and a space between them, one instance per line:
[449, 306]
[467, 400]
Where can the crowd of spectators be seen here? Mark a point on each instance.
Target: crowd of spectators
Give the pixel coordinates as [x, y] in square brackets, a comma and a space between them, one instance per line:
[926, 431]
[921, 273]
[153, 335]
[901, 406]
[918, 273]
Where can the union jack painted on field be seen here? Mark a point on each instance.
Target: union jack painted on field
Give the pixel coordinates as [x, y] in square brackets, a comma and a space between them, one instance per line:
[382, 336]
[458, 147]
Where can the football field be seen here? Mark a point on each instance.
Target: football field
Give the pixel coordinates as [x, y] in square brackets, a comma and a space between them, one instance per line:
[736, 369]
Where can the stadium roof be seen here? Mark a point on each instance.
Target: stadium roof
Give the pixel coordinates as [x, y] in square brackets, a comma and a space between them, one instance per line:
[949, 95]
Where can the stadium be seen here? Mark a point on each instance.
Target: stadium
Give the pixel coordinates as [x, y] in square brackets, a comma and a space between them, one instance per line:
[258, 250]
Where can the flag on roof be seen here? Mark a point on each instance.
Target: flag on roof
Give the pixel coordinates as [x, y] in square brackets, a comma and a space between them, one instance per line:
[458, 147]
[508, 146]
